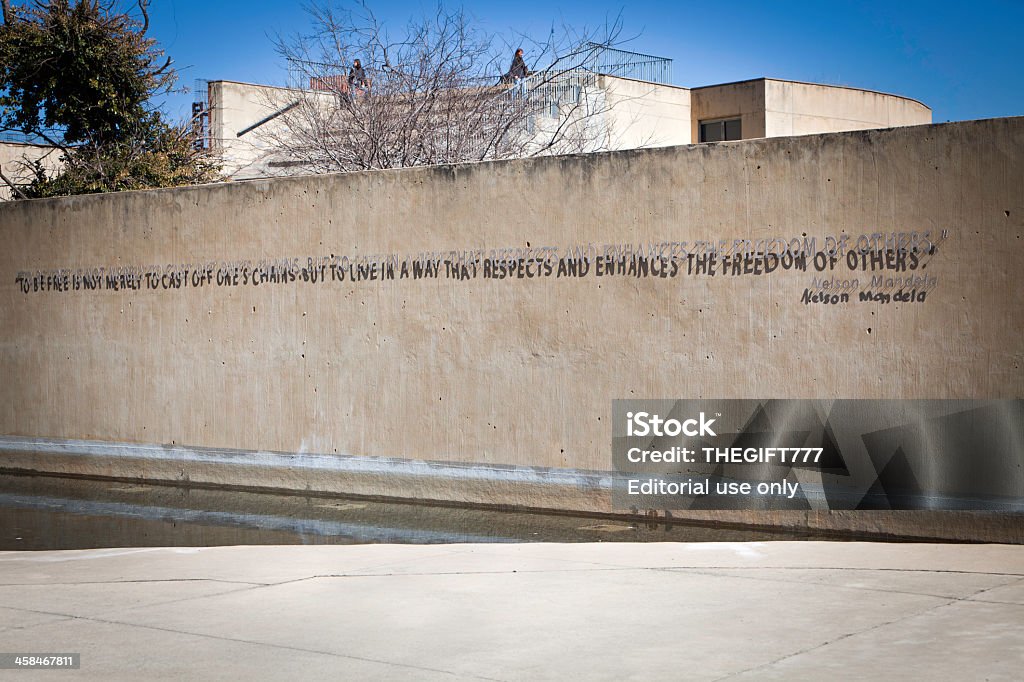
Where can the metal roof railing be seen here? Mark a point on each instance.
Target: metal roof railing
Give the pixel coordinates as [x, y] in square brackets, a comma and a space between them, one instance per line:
[624, 63]
[17, 136]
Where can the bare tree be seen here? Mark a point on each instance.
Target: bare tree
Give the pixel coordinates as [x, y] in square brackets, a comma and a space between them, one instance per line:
[437, 91]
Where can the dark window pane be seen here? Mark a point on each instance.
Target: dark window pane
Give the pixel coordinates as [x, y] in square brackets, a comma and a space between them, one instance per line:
[718, 131]
[712, 132]
[732, 130]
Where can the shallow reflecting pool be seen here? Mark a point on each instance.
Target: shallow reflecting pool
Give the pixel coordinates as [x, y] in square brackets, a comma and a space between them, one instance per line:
[40, 512]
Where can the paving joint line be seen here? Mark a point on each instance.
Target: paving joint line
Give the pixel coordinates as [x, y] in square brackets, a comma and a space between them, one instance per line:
[138, 581]
[711, 573]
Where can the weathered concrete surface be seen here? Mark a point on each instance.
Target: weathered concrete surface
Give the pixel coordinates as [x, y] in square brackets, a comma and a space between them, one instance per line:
[520, 372]
[524, 612]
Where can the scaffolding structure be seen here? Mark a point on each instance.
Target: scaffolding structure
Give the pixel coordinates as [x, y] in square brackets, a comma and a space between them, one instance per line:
[201, 114]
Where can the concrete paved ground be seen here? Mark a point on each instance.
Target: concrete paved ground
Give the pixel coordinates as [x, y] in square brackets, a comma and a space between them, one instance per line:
[743, 611]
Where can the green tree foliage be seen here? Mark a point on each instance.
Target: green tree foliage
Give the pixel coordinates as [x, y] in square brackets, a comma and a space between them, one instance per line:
[81, 75]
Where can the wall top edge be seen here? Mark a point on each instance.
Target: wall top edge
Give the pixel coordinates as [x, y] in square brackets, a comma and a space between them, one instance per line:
[874, 135]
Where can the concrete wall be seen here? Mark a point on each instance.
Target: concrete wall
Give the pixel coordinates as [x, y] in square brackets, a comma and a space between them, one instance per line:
[645, 114]
[775, 108]
[14, 156]
[733, 100]
[510, 372]
[234, 109]
[806, 109]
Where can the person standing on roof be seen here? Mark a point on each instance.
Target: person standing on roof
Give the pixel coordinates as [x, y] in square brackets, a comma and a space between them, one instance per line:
[518, 70]
[356, 76]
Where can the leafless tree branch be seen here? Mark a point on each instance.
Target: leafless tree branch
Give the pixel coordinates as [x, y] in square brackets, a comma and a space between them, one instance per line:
[433, 93]
[144, 10]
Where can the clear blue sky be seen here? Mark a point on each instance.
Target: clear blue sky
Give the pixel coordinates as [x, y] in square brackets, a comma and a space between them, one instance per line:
[963, 59]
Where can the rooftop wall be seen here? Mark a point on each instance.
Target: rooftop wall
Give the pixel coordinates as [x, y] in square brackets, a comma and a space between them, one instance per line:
[777, 108]
[733, 100]
[643, 114]
[807, 108]
[629, 114]
[632, 114]
[234, 109]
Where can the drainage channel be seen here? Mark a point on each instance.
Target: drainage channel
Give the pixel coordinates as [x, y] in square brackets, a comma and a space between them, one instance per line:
[46, 513]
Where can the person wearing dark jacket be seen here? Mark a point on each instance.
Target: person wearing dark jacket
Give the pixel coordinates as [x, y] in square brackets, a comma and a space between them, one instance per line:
[517, 71]
[356, 76]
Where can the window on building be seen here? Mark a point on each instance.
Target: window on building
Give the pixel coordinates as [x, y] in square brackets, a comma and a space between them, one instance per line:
[721, 131]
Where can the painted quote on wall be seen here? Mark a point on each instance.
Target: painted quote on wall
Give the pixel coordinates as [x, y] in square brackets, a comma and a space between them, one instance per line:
[881, 267]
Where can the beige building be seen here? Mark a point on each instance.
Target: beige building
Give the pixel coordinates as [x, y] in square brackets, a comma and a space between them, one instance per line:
[245, 120]
[769, 107]
[16, 159]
